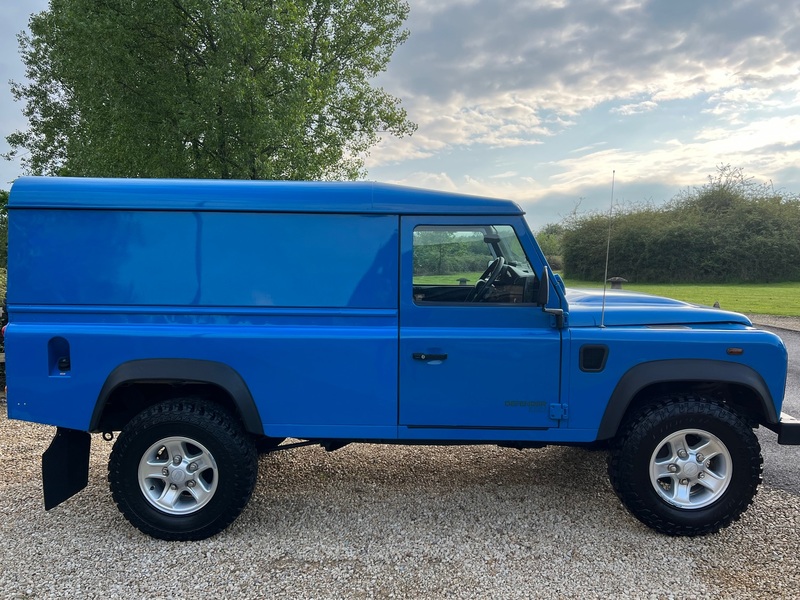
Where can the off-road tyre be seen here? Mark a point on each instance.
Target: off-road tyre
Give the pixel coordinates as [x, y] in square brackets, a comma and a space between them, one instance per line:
[734, 472]
[208, 446]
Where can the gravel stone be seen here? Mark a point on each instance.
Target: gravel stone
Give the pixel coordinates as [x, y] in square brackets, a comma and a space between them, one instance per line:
[372, 521]
[791, 323]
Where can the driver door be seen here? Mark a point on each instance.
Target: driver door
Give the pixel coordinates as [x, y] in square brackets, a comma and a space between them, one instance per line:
[478, 366]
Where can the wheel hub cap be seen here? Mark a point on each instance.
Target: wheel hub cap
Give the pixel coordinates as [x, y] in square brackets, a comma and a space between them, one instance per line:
[691, 469]
[178, 475]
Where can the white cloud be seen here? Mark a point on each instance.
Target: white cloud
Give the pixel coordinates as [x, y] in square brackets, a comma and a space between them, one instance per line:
[660, 91]
[751, 147]
[465, 61]
[506, 121]
[760, 148]
[635, 109]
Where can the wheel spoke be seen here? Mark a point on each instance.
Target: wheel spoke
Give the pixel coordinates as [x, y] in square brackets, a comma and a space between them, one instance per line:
[169, 498]
[713, 482]
[661, 470]
[174, 448]
[710, 448]
[681, 493]
[681, 445]
[674, 444]
[202, 492]
[152, 470]
[203, 462]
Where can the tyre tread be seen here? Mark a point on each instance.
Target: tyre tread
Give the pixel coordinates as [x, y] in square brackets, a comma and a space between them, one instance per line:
[198, 413]
[633, 434]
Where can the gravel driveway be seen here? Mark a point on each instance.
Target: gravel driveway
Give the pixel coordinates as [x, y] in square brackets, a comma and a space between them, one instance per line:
[374, 521]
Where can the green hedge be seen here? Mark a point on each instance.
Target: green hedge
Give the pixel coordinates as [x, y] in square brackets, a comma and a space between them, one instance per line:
[727, 231]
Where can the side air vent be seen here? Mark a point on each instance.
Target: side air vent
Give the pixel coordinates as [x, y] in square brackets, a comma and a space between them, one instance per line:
[593, 358]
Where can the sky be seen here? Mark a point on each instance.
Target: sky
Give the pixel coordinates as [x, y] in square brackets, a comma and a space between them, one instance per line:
[541, 101]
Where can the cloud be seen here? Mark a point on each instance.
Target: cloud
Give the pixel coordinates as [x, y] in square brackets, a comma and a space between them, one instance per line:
[576, 53]
[505, 121]
[635, 109]
[760, 148]
[466, 60]
[569, 90]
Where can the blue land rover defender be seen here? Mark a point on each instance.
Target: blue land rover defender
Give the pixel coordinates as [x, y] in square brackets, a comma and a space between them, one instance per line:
[209, 320]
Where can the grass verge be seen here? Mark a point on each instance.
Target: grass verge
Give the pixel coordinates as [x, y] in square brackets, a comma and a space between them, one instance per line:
[764, 299]
[781, 299]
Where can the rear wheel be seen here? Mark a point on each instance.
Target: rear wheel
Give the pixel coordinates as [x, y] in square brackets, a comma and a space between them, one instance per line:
[182, 470]
[686, 465]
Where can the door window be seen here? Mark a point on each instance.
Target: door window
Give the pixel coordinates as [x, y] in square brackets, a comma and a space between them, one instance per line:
[474, 264]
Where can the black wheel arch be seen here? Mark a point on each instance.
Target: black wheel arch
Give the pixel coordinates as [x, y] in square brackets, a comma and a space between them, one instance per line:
[688, 375]
[121, 395]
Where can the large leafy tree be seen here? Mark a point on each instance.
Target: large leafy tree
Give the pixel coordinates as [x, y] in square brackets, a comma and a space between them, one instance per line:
[3, 228]
[248, 89]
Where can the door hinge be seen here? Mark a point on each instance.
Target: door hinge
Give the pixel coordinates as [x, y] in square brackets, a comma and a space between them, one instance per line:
[559, 412]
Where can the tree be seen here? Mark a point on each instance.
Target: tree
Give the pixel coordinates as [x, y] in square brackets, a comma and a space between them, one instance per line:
[249, 89]
[729, 230]
[445, 253]
[550, 239]
[3, 230]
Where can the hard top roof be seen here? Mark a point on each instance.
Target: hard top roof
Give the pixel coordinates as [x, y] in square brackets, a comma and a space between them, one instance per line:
[247, 196]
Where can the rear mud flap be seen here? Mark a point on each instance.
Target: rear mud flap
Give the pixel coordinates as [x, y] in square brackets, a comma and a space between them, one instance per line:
[65, 466]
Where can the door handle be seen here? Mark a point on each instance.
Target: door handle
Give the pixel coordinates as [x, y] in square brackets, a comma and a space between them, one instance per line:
[422, 356]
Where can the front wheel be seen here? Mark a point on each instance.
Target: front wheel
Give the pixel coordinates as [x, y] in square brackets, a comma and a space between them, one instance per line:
[182, 470]
[686, 465]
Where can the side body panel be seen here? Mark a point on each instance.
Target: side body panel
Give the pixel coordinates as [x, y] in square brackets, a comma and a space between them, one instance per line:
[301, 306]
[639, 356]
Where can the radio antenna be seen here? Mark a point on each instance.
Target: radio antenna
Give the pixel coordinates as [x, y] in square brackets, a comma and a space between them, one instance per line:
[608, 252]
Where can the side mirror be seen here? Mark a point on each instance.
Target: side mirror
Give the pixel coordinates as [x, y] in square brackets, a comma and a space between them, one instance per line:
[543, 296]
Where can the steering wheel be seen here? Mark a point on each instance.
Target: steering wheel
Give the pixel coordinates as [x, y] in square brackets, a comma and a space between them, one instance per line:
[487, 278]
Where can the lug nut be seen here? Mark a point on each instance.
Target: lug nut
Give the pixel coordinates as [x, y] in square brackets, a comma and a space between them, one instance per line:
[672, 468]
[193, 467]
[682, 454]
[701, 475]
[176, 460]
[173, 486]
[684, 482]
[700, 458]
[165, 472]
[191, 483]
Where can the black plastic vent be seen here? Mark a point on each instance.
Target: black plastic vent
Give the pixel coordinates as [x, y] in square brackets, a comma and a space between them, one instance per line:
[593, 358]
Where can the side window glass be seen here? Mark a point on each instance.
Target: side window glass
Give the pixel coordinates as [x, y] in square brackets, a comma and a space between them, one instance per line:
[471, 264]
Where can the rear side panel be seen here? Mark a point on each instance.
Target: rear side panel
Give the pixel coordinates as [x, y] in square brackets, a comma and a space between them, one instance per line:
[302, 306]
[109, 258]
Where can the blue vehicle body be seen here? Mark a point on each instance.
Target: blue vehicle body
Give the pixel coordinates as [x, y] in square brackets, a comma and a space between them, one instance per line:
[296, 306]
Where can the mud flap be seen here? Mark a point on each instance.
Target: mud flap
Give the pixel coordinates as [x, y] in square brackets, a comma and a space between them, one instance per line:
[65, 466]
